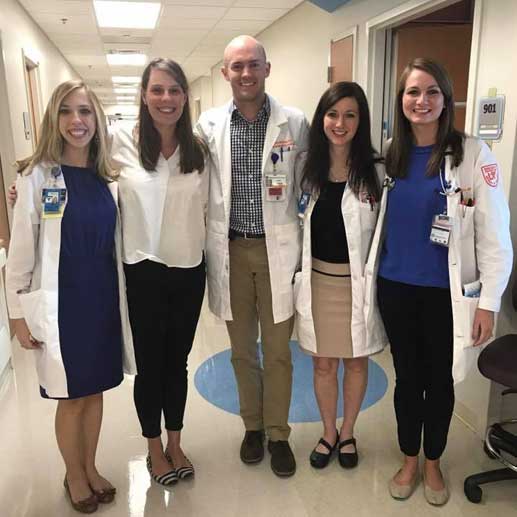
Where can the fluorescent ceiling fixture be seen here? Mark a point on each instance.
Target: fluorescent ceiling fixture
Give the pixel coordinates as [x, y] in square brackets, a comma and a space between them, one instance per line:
[127, 15]
[132, 99]
[125, 79]
[126, 59]
[131, 91]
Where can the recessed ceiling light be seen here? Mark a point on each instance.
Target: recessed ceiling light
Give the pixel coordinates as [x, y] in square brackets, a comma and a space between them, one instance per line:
[126, 59]
[126, 90]
[127, 15]
[125, 79]
[132, 99]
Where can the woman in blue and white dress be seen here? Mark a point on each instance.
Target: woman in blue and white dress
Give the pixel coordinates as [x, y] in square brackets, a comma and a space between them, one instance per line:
[65, 294]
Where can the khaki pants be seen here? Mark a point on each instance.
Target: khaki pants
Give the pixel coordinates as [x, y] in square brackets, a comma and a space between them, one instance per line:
[264, 393]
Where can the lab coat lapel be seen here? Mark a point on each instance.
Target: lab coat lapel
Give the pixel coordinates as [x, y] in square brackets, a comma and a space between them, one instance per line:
[224, 156]
[276, 119]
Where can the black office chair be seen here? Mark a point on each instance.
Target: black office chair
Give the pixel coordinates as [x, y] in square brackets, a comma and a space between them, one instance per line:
[498, 362]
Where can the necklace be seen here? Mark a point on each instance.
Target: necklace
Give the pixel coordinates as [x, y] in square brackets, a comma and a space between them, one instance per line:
[338, 175]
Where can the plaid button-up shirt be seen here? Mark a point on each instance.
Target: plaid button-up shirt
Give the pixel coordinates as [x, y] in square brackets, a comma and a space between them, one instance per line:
[247, 144]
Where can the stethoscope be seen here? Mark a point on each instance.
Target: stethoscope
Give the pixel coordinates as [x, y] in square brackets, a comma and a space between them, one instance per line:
[449, 188]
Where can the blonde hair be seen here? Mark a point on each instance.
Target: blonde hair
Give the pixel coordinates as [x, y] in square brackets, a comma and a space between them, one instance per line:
[51, 143]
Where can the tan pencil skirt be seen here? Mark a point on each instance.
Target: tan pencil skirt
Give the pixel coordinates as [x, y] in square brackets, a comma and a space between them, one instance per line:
[332, 308]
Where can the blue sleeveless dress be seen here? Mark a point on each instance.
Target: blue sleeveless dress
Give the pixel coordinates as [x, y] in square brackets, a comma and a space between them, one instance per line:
[88, 308]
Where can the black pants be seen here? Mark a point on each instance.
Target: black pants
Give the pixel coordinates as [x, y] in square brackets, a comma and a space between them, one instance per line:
[418, 322]
[164, 306]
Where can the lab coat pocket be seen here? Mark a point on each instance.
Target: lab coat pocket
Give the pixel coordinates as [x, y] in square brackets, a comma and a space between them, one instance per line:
[368, 214]
[304, 324]
[288, 242]
[468, 312]
[301, 303]
[466, 219]
[40, 312]
[216, 256]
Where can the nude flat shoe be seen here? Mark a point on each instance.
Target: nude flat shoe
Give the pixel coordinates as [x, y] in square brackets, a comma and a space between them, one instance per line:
[436, 497]
[402, 492]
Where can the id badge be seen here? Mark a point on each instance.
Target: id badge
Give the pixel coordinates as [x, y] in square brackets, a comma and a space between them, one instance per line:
[441, 230]
[276, 187]
[53, 200]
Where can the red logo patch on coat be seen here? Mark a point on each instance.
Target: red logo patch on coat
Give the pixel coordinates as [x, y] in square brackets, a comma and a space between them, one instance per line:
[490, 174]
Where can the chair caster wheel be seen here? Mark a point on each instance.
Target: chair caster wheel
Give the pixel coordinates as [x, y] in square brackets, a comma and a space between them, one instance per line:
[472, 492]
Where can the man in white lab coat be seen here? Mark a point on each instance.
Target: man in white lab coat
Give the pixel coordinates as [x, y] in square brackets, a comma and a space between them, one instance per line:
[253, 243]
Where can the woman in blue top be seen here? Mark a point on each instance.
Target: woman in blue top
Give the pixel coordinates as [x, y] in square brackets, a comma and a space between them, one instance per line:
[445, 227]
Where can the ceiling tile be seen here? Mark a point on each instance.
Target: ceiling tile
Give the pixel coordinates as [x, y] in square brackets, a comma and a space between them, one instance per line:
[282, 4]
[251, 13]
[190, 11]
[202, 3]
[61, 7]
[76, 24]
[244, 26]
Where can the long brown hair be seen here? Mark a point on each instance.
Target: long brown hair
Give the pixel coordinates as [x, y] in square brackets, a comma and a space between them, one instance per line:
[51, 143]
[363, 157]
[449, 141]
[193, 150]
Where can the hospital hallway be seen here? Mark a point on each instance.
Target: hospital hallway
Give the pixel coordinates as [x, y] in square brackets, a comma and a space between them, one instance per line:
[31, 469]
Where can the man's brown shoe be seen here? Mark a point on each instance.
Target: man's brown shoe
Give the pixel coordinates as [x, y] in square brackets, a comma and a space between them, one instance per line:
[283, 463]
[252, 447]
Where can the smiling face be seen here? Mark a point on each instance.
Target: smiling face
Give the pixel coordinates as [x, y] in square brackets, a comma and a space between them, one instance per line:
[164, 98]
[422, 100]
[341, 121]
[245, 68]
[77, 123]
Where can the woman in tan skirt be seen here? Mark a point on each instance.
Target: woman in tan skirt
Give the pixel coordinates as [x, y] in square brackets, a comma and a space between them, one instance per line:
[341, 178]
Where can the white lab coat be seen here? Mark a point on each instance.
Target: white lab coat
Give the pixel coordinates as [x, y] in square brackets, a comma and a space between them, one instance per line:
[368, 336]
[286, 126]
[480, 246]
[32, 278]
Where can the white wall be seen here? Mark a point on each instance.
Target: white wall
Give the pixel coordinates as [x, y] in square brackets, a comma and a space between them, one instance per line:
[201, 89]
[297, 46]
[18, 34]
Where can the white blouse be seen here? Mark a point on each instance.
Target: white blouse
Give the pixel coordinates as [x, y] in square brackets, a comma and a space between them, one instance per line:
[162, 211]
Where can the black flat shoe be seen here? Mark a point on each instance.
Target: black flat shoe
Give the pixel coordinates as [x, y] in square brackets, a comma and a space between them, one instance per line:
[348, 460]
[319, 460]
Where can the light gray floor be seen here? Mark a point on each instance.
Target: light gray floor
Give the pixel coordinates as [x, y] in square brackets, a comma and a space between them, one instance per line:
[31, 471]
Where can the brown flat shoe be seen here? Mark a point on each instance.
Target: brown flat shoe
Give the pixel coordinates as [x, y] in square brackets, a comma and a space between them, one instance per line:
[88, 505]
[106, 495]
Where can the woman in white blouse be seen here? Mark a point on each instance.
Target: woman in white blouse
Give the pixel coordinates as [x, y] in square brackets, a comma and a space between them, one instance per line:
[163, 191]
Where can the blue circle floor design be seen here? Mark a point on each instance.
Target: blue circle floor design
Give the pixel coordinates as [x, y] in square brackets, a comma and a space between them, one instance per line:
[215, 381]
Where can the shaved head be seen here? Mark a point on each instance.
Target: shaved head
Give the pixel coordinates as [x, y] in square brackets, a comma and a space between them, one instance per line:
[243, 42]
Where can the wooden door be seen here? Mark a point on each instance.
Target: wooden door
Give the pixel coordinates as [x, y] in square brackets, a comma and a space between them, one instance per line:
[449, 44]
[342, 60]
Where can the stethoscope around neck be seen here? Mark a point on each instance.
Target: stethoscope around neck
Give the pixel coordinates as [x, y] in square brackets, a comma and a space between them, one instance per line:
[448, 188]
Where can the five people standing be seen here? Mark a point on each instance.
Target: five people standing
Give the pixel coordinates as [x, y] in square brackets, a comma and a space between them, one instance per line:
[435, 250]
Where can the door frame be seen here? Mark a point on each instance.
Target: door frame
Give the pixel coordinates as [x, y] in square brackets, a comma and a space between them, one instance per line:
[379, 56]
